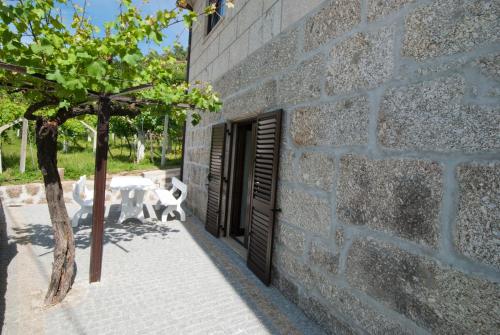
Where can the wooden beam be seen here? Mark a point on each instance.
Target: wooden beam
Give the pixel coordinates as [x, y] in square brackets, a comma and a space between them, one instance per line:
[131, 90]
[101, 159]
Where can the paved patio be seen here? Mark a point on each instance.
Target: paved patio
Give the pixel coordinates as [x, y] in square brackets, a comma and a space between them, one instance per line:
[169, 278]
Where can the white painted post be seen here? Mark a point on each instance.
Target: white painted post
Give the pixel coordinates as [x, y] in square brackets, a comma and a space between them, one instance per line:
[94, 135]
[140, 148]
[24, 144]
[165, 143]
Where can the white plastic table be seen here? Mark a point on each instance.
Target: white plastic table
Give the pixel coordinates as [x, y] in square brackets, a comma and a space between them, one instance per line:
[132, 190]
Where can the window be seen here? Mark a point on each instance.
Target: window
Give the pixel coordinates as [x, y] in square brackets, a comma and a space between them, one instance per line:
[215, 17]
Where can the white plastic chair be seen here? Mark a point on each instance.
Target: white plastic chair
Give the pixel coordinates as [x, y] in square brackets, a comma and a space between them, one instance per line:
[84, 197]
[172, 203]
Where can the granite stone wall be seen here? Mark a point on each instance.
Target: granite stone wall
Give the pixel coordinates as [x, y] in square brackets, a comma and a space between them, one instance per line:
[390, 162]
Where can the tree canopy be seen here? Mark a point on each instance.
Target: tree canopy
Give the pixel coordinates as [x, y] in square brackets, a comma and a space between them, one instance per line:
[85, 60]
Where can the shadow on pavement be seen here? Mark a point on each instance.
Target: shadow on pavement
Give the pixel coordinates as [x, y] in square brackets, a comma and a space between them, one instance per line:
[7, 252]
[114, 232]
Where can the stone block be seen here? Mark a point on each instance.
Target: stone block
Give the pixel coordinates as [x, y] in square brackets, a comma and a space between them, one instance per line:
[294, 10]
[286, 287]
[362, 314]
[14, 191]
[332, 124]
[321, 254]
[255, 35]
[324, 316]
[293, 238]
[271, 22]
[430, 116]
[32, 189]
[211, 51]
[334, 19]
[199, 155]
[272, 58]
[249, 14]
[294, 267]
[440, 299]
[478, 219]
[363, 61]
[251, 103]
[220, 65]
[316, 170]
[450, 26]
[238, 51]
[303, 83]
[304, 210]
[401, 197]
[380, 8]
[227, 36]
[229, 82]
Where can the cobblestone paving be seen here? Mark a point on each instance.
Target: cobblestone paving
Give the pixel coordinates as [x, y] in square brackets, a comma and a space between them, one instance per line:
[157, 278]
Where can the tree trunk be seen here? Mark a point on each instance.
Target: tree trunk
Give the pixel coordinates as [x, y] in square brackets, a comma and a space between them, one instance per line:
[64, 249]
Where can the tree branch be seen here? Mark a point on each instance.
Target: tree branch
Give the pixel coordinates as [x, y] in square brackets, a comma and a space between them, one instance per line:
[49, 101]
[121, 110]
[24, 70]
[64, 114]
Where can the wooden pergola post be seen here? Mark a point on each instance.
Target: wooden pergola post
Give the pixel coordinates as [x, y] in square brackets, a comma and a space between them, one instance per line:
[101, 158]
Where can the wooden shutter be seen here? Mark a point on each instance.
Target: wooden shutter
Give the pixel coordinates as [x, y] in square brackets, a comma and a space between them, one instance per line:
[265, 177]
[215, 179]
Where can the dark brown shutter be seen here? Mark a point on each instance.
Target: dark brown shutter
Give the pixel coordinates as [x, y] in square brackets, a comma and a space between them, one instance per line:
[265, 178]
[215, 178]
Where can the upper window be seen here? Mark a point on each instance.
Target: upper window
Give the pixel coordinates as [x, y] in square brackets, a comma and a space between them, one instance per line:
[216, 16]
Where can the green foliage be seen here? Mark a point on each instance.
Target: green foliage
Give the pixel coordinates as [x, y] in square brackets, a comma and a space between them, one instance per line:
[12, 107]
[79, 60]
[79, 160]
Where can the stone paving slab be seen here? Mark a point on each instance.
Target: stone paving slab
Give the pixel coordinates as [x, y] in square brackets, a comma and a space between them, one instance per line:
[157, 278]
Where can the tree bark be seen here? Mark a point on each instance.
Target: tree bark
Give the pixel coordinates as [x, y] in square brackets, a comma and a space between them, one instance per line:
[64, 250]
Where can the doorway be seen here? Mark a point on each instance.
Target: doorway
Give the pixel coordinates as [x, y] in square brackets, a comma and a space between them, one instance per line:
[242, 182]
[249, 182]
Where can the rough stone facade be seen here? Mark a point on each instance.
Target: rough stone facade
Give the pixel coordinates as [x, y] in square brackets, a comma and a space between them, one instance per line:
[390, 157]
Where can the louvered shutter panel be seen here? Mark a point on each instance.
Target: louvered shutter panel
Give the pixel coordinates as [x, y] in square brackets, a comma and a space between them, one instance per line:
[265, 178]
[215, 178]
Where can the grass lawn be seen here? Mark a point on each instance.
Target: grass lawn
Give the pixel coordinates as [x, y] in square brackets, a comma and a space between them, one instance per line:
[77, 161]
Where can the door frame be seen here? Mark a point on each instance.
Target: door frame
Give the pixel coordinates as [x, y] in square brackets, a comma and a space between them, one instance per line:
[230, 193]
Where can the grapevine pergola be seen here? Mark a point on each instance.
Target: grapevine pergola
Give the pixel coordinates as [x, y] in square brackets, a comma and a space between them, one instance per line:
[70, 71]
[104, 106]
